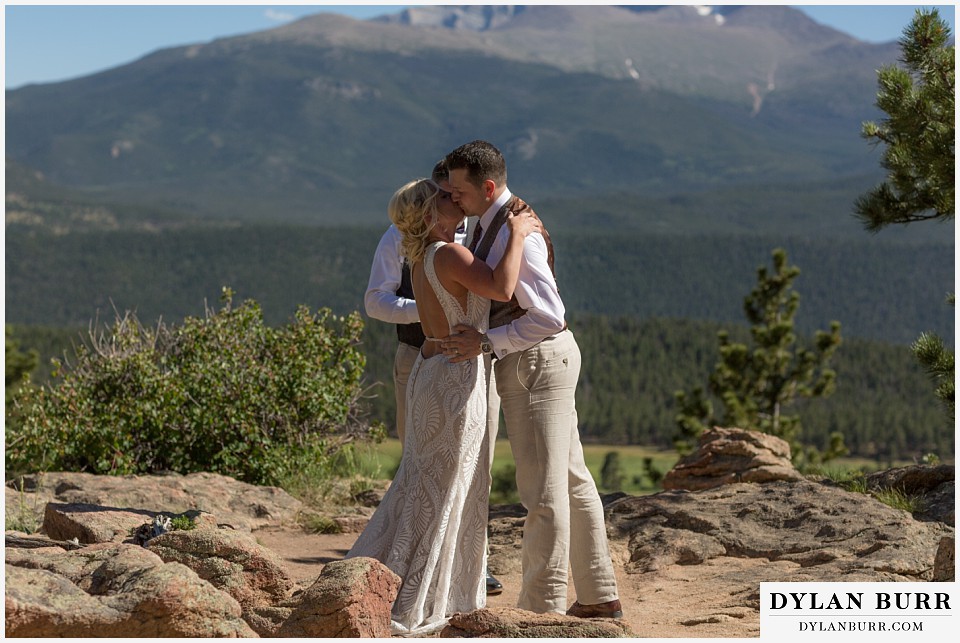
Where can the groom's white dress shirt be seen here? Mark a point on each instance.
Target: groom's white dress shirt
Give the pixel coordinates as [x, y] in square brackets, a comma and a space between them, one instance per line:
[536, 290]
[381, 300]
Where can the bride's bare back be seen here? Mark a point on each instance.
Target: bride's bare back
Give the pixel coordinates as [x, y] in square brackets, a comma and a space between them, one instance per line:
[459, 272]
[432, 318]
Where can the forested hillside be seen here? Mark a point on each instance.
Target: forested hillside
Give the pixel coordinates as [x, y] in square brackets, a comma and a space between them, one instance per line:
[876, 289]
[883, 405]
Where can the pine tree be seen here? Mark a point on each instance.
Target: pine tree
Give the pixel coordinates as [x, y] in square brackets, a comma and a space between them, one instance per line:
[755, 384]
[937, 361]
[919, 137]
[611, 474]
[918, 132]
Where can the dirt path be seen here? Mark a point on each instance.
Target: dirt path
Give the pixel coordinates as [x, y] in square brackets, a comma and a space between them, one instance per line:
[695, 601]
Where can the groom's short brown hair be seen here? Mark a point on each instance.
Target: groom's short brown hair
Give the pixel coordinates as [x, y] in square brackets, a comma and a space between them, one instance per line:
[482, 161]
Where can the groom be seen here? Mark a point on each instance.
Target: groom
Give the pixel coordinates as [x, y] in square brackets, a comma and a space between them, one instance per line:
[536, 364]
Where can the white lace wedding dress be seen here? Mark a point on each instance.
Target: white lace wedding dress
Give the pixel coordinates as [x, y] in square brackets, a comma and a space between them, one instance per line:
[431, 527]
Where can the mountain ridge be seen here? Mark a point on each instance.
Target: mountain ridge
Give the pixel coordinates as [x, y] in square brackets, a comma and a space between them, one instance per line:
[324, 117]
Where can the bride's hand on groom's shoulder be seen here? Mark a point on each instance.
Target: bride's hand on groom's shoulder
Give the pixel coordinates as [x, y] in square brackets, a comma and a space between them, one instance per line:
[462, 345]
[524, 223]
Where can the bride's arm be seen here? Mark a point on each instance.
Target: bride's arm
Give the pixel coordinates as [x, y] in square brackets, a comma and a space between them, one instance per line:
[476, 276]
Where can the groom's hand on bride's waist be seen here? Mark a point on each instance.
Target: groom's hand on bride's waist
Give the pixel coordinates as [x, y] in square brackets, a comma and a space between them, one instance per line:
[462, 345]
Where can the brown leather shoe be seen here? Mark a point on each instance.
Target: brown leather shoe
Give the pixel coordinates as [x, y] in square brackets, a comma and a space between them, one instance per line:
[610, 609]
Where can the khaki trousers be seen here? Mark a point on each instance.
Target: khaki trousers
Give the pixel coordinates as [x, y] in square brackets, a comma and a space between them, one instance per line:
[493, 406]
[565, 528]
[402, 365]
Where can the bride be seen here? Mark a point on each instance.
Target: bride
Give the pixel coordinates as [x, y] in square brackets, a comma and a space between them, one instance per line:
[431, 527]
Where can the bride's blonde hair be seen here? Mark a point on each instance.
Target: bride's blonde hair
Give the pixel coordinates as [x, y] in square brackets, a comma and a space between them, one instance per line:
[408, 210]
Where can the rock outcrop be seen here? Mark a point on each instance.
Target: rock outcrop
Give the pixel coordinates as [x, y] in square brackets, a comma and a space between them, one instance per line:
[92, 523]
[240, 505]
[725, 456]
[214, 580]
[837, 534]
[944, 565]
[113, 590]
[505, 530]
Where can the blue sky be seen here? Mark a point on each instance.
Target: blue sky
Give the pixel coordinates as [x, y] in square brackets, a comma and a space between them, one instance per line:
[48, 43]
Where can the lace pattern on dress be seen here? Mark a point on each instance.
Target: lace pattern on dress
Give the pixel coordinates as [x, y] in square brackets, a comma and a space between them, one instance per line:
[431, 526]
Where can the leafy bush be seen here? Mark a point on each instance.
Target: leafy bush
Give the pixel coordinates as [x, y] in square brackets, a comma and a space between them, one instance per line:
[222, 393]
[19, 366]
[182, 523]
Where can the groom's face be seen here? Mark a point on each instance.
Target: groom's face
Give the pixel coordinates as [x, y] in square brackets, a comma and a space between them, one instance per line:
[473, 199]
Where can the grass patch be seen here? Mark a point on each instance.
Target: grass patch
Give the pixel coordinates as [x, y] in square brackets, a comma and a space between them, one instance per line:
[849, 478]
[897, 499]
[380, 461]
[334, 481]
[855, 480]
[25, 515]
[318, 523]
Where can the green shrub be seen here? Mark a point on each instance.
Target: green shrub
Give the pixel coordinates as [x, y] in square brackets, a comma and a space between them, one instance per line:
[222, 393]
[503, 486]
[182, 523]
[19, 366]
[319, 524]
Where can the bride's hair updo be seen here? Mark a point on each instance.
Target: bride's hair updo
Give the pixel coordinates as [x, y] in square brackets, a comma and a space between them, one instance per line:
[408, 210]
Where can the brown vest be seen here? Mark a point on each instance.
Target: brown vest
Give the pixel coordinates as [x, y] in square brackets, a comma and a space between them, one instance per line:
[504, 312]
[411, 334]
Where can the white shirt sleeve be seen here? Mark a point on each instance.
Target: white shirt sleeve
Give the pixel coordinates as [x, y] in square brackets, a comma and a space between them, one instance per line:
[381, 300]
[536, 293]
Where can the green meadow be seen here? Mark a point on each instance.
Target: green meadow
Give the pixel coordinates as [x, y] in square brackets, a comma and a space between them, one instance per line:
[380, 462]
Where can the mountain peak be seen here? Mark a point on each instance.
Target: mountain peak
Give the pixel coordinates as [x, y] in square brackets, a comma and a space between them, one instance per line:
[502, 17]
[791, 23]
[469, 17]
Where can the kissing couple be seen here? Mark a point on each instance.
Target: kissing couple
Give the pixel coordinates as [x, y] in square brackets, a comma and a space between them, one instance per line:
[493, 336]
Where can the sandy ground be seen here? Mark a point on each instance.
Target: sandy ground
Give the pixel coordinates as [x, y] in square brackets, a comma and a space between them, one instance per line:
[692, 601]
